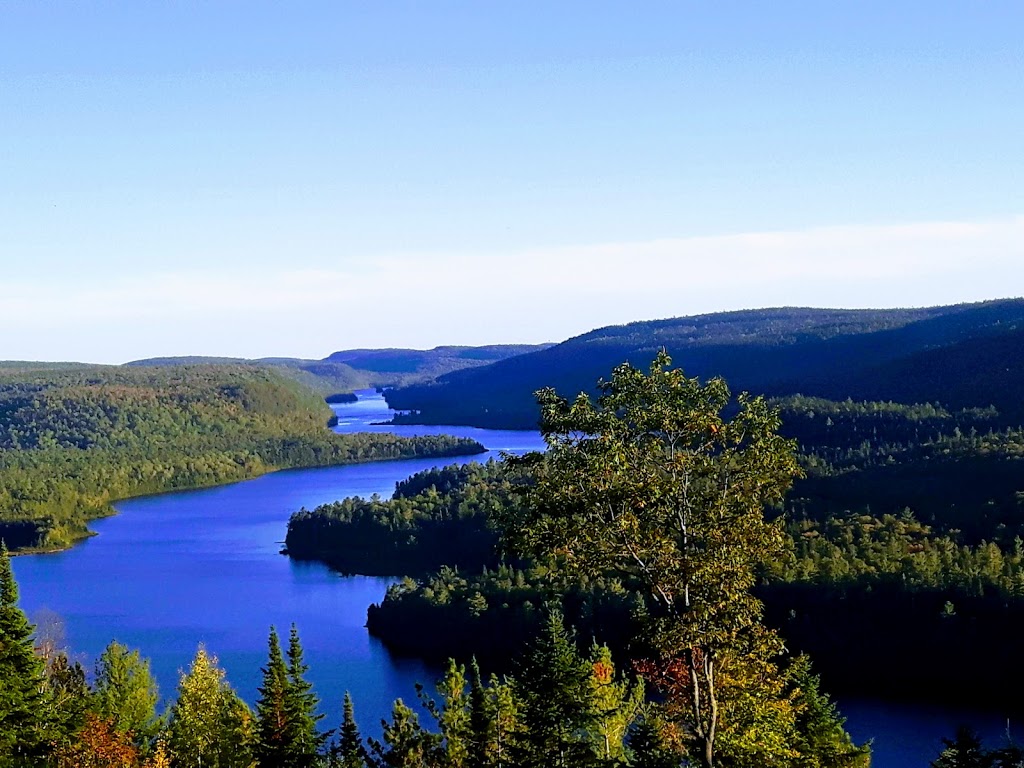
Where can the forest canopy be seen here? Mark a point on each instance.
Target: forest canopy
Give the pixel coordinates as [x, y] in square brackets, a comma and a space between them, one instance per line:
[74, 440]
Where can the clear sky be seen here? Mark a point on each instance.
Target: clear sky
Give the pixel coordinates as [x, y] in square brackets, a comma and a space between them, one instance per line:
[251, 178]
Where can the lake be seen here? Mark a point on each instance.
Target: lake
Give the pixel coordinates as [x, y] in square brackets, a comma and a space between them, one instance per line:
[179, 569]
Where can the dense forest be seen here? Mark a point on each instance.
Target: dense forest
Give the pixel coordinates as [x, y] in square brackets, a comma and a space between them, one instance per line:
[903, 549]
[73, 440]
[670, 566]
[723, 691]
[962, 356]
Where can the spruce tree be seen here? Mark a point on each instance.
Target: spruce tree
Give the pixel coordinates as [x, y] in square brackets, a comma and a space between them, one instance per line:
[964, 751]
[649, 746]
[301, 705]
[287, 735]
[349, 752]
[556, 698]
[822, 741]
[616, 705]
[453, 717]
[272, 722]
[481, 720]
[21, 675]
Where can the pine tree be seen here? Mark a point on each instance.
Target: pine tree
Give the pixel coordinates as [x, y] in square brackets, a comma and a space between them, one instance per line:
[821, 739]
[287, 735]
[556, 699]
[649, 746]
[301, 704]
[453, 717]
[506, 710]
[272, 736]
[404, 743]
[349, 751]
[616, 705]
[964, 751]
[481, 720]
[21, 675]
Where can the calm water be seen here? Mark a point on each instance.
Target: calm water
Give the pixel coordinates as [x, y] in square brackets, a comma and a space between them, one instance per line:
[176, 570]
[179, 569]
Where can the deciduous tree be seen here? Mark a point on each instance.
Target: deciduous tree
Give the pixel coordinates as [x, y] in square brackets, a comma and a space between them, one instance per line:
[209, 725]
[666, 480]
[125, 692]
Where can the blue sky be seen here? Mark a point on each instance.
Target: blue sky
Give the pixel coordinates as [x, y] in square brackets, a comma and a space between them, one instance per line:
[293, 178]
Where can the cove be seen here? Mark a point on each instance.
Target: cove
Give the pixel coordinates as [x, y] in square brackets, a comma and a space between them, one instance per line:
[171, 571]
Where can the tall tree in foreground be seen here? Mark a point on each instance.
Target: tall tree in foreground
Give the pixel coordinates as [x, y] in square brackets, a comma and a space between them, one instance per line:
[452, 716]
[404, 743]
[287, 735]
[209, 725]
[656, 481]
[21, 675]
[555, 692]
[301, 704]
[349, 752]
[272, 723]
[821, 739]
[125, 693]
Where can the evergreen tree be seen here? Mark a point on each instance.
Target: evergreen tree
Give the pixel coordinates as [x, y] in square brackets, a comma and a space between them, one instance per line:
[404, 743]
[649, 747]
[616, 705]
[481, 720]
[125, 693]
[453, 717]
[301, 705]
[272, 722]
[821, 739]
[556, 699]
[349, 752]
[964, 751]
[506, 710]
[21, 675]
[287, 735]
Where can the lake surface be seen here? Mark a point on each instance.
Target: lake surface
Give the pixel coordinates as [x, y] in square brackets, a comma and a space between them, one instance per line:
[172, 571]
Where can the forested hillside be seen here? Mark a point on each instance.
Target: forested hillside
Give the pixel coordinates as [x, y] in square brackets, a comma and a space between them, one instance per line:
[904, 547]
[73, 440]
[960, 356]
[353, 369]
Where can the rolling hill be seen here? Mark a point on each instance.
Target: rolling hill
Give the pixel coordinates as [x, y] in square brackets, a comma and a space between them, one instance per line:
[352, 369]
[962, 355]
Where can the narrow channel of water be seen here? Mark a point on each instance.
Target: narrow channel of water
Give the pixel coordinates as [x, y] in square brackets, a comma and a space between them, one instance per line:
[176, 570]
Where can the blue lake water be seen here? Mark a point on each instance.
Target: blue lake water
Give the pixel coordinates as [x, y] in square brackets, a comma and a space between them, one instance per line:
[172, 571]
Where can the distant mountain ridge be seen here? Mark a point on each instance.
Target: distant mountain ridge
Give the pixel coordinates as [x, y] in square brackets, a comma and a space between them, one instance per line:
[962, 355]
[353, 369]
[429, 362]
